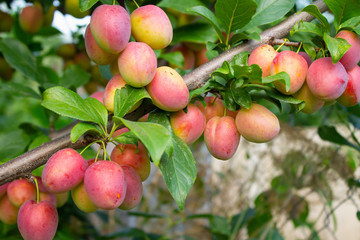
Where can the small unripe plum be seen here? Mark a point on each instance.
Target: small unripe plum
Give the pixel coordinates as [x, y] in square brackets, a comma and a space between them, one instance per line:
[352, 56]
[137, 64]
[293, 64]
[188, 55]
[95, 52]
[306, 57]
[67, 50]
[326, 80]
[63, 171]
[31, 19]
[21, 190]
[82, 200]
[82, 60]
[151, 25]
[110, 26]
[37, 221]
[221, 137]
[105, 184]
[351, 95]
[257, 124]
[99, 95]
[8, 212]
[61, 199]
[6, 22]
[231, 113]
[188, 126]
[72, 7]
[134, 189]
[135, 156]
[46, 196]
[3, 189]
[214, 107]
[263, 56]
[312, 103]
[168, 90]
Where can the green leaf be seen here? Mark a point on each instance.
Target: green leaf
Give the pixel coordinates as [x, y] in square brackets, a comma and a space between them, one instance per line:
[97, 110]
[69, 104]
[308, 27]
[343, 10]
[126, 98]
[241, 36]
[200, 90]
[240, 95]
[19, 57]
[178, 166]
[80, 129]
[252, 72]
[105, 71]
[210, 17]
[314, 10]
[229, 100]
[337, 47]
[127, 138]
[240, 59]
[269, 11]
[86, 4]
[74, 76]
[196, 33]
[234, 14]
[12, 144]
[358, 215]
[329, 133]
[155, 137]
[281, 76]
[310, 50]
[18, 90]
[352, 23]
[180, 6]
[175, 58]
[38, 141]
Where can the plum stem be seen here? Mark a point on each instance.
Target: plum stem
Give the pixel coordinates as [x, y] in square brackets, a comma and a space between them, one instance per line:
[285, 40]
[97, 155]
[299, 48]
[37, 189]
[137, 5]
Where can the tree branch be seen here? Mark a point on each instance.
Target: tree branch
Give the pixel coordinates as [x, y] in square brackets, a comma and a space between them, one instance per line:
[25, 163]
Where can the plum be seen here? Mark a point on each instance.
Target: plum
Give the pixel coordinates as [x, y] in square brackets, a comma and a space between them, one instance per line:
[351, 95]
[8, 212]
[263, 56]
[82, 200]
[352, 56]
[21, 190]
[134, 188]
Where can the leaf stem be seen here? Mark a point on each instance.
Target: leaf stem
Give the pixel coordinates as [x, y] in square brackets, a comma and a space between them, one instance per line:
[112, 130]
[299, 48]
[137, 5]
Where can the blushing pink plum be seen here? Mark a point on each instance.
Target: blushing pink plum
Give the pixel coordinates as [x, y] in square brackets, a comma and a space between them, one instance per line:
[188, 126]
[111, 28]
[99, 95]
[137, 64]
[31, 18]
[63, 171]
[312, 103]
[135, 156]
[37, 221]
[168, 90]
[21, 190]
[151, 25]
[214, 107]
[293, 64]
[8, 212]
[134, 189]
[105, 184]
[326, 80]
[351, 95]
[95, 52]
[263, 56]
[257, 124]
[352, 55]
[221, 137]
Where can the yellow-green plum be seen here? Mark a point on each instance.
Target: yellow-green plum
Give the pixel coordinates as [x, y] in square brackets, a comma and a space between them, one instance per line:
[188, 126]
[326, 80]
[188, 55]
[6, 22]
[105, 184]
[137, 64]
[72, 7]
[19, 191]
[312, 103]
[31, 19]
[352, 55]
[110, 26]
[95, 52]
[37, 220]
[214, 107]
[293, 64]
[135, 156]
[351, 95]
[63, 171]
[151, 25]
[82, 200]
[168, 90]
[46, 196]
[8, 212]
[134, 188]
[221, 137]
[61, 198]
[263, 56]
[257, 124]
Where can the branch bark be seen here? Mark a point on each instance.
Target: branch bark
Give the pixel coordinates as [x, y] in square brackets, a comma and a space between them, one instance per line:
[25, 163]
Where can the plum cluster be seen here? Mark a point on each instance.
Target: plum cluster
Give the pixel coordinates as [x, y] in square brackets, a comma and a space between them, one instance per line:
[319, 82]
